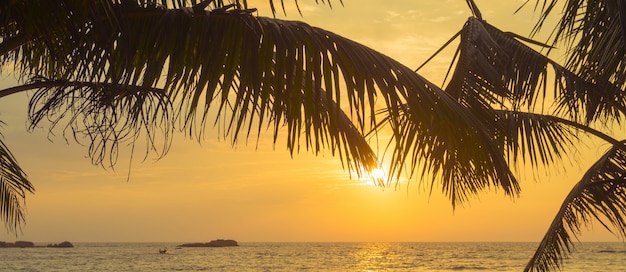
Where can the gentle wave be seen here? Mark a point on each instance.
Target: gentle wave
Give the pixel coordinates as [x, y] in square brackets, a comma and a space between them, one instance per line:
[589, 257]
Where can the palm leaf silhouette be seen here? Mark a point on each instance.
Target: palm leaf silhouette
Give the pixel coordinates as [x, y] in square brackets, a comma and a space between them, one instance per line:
[260, 69]
[495, 68]
[260, 72]
[499, 80]
[13, 188]
[102, 116]
[114, 71]
[600, 195]
[596, 33]
[537, 138]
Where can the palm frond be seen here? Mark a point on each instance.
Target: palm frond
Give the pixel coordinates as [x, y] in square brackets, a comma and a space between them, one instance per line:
[599, 196]
[13, 188]
[452, 145]
[537, 138]
[257, 70]
[103, 116]
[494, 67]
[596, 33]
[261, 71]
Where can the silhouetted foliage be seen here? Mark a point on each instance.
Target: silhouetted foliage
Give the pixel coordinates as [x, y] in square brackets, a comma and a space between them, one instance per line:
[115, 71]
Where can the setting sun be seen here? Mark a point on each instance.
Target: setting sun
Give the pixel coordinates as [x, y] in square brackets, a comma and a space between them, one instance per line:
[378, 175]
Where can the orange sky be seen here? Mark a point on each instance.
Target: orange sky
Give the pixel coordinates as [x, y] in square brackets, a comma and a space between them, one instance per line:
[209, 191]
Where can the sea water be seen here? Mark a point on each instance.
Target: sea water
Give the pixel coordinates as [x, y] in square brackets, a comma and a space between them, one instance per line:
[304, 257]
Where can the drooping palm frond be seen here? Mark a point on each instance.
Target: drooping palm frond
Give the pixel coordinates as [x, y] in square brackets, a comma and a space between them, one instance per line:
[459, 153]
[494, 62]
[600, 195]
[109, 115]
[268, 66]
[262, 69]
[493, 70]
[536, 138]
[496, 71]
[595, 34]
[494, 67]
[207, 57]
[103, 116]
[13, 188]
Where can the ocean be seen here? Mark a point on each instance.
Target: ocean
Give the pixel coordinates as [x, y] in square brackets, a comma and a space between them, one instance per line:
[304, 257]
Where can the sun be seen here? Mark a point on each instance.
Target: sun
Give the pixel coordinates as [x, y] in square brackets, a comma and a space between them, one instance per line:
[378, 175]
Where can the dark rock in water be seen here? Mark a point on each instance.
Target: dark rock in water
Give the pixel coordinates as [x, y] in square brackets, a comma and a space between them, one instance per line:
[17, 244]
[65, 244]
[23, 244]
[214, 243]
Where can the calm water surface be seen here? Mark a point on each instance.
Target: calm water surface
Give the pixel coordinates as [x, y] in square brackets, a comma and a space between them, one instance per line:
[304, 257]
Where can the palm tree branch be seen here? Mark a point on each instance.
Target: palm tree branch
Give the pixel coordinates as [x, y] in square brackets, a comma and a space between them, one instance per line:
[13, 188]
[284, 64]
[599, 194]
[494, 67]
[543, 138]
[461, 153]
[119, 70]
[102, 115]
[595, 30]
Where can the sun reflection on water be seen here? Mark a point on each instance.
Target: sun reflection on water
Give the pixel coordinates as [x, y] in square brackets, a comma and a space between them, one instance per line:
[374, 256]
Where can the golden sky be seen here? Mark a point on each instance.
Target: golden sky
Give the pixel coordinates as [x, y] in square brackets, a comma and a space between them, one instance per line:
[200, 192]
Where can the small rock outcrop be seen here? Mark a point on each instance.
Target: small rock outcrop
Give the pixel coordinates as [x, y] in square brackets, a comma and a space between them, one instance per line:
[214, 243]
[24, 244]
[65, 244]
[21, 244]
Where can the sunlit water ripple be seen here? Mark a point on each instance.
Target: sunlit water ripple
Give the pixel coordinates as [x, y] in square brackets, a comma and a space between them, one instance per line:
[304, 257]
